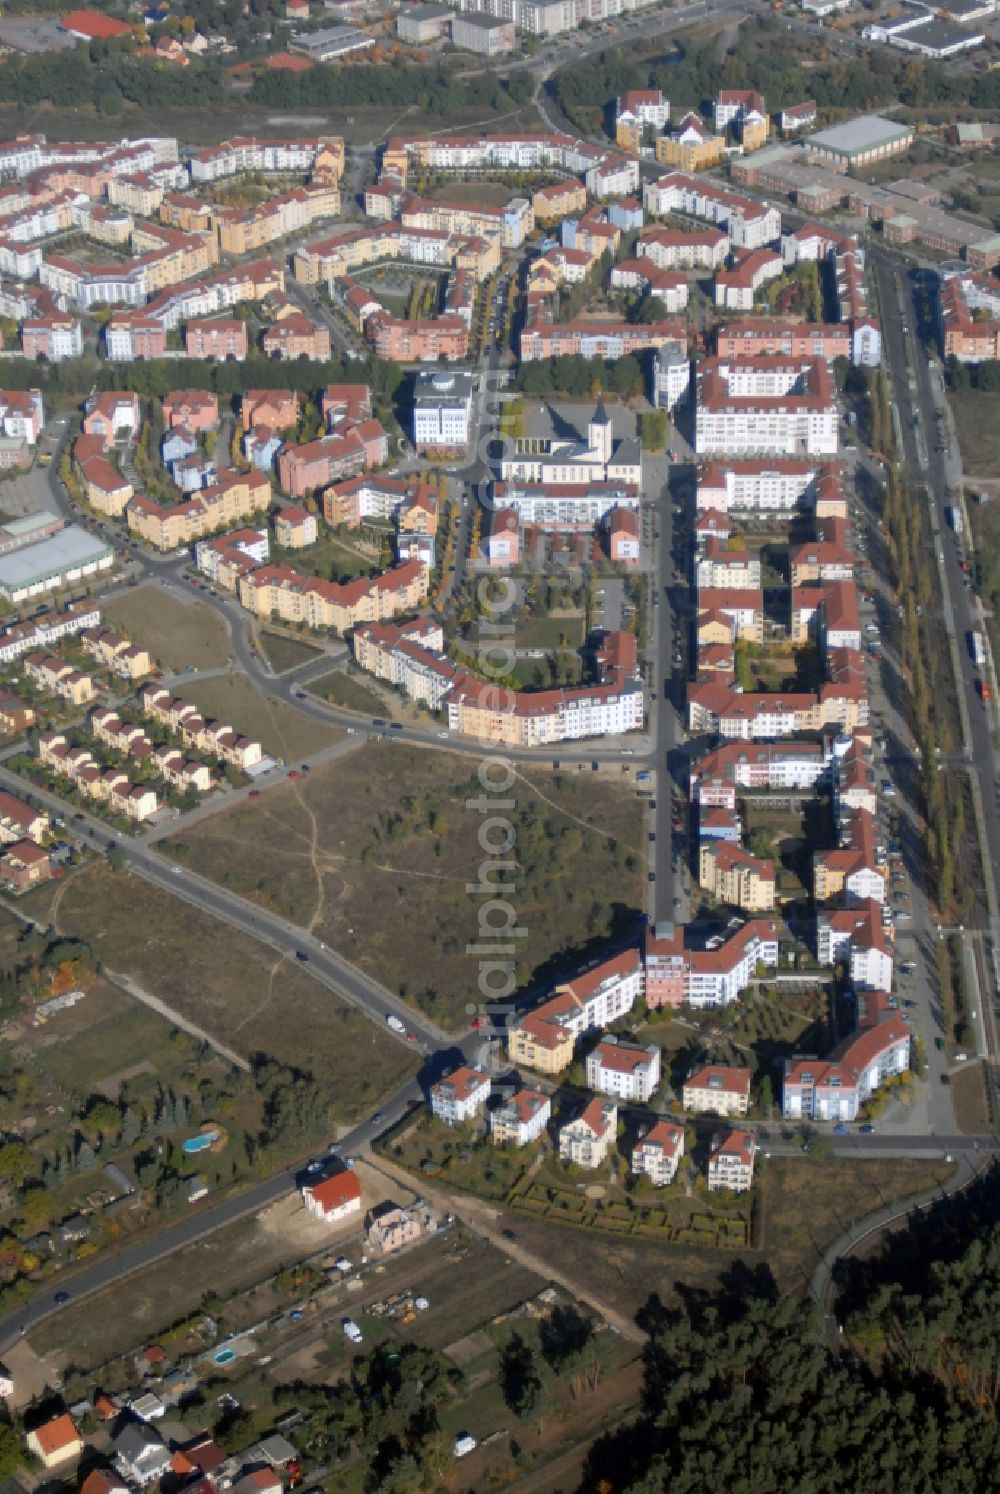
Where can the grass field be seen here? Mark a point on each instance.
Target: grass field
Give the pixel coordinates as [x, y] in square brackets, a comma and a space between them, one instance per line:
[236, 990]
[978, 432]
[341, 690]
[807, 1204]
[331, 558]
[389, 827]
[284, 731]
[286, 653]
[176, 633]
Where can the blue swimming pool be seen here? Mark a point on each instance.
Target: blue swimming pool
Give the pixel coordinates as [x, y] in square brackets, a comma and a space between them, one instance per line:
[201, 1142]
[223, 1356]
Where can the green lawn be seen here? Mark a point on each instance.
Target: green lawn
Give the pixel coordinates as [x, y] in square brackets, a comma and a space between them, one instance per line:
[286, 653]
[331, 558]
[283, 730]
[341, 690]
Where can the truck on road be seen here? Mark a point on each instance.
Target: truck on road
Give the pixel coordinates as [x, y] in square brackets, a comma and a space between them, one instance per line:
[977, 648]
[396, 1024]
[955, 519]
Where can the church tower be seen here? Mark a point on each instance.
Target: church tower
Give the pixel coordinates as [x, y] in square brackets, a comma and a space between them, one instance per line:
[599, 434]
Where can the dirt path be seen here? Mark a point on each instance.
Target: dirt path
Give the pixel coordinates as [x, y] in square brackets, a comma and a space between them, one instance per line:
[139, 993]
[561, 810]
[483, 1219]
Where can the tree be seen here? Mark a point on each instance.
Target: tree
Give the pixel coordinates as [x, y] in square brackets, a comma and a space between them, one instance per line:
[11, 1450]
[520, 1381]
[564, 1334]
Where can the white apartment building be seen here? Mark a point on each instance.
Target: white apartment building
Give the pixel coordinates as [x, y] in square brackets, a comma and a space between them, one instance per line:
[757, 486]
[626, 1070]
[835, 1088]
[717, 1089]
[765, 405]
[460, 1096]
[857, 936]
[731, 1163]
[671, 376]
[253, 543]
[657, 1154]
[521, 1120]
[586, 1140]
[749, 224]
[246, 154]
[673, 249]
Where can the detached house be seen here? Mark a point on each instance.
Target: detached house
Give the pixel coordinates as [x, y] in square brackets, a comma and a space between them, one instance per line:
[460, 1096]
[626, 1070]
[657, 1154]
[585, 1140]
[731, 1163]
[717, 1090]
[140, 1454]
[334, 1198]
[55, 1442]
[521, 1119]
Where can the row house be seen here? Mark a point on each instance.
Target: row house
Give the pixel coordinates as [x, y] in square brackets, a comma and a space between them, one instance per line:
[628, 1071]
[344, 453]
[545, 1038]
[460, 1096]
[19, 821]
[253, 154]
[55, 677]
[181, 774]
[111, 787]
[126, 738]
[835, 1088]
[721, 567]
[113, 416]
[850, 871]
[381, 497]
[779, 486]
[104, 487]
[731, 874]
[234, 497]
[675, 974]
[720, 777]
[675, 249]
[669, 287]
[297, 336]
[15, 715]
[755, 337]
[116, 653]
[726, 615]
[215, 738]
[586, 1140]
[46, 629]
[521, 1119]
[279, 591]
[857, 938]
[749, 270]
[730, 1164]
[218, 340]
[717, 1089]
[657, 1154]
[748, 223]
[226, 557]
[53, 337]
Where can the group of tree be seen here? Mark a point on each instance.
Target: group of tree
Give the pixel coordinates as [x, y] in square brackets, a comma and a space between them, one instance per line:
[741, 1392]
[579, 377]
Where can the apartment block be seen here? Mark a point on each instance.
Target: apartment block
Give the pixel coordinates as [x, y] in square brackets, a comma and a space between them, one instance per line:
[657, 1154]
[717, 1089]
[586, 1141]
[625, 1070]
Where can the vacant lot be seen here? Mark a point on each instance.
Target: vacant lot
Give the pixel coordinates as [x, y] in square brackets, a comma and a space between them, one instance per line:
[808, 1203]
[176, 633]
[374, 853]
[236, 990]
[284, 731]
[286, 653]
[978, 432]
[969, 1098]
[341, 690]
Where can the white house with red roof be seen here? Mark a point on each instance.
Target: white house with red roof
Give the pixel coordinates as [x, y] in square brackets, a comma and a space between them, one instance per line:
[731, 1163]
[657, 1154]
[55, 1442]
[333, 1198]
[522, 1118]
[626, 1070]
[460, 1096]
[585, 1141]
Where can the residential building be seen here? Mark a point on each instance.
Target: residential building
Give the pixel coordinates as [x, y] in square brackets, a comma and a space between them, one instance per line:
[585, 1141]
[236, 496]
[140, 1454]
[295, 528]
[297, 336]
[730, 1165]
[112, 416]
[521, 1119]
[333, 1198]
[116, 653]
[460, 1095]
[784, 406]
[544, 1038]
[56, 677]
[52, 337]
[420, 24]
[55, 1442]
[220, 339]
[442, 409]
[191, 410]
[656, 1155]
[346, 451]
[389, 1228]
[279, 591]
[491, 36]
[835, 1088]
[626, 1070]
[717, 1089]
[691, 146]
[15, 715]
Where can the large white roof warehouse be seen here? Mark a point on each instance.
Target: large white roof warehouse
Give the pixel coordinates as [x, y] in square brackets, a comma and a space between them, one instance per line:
[870, 137]
[64, 558]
